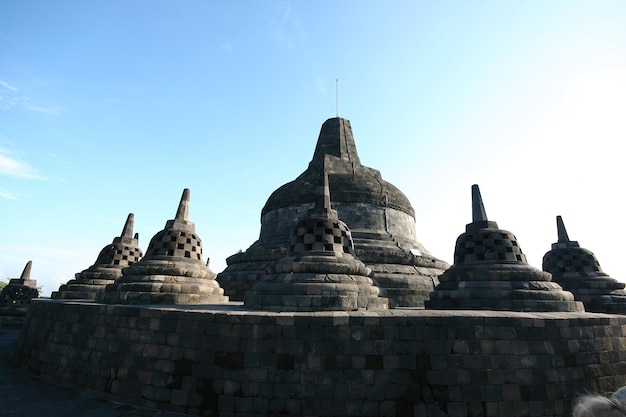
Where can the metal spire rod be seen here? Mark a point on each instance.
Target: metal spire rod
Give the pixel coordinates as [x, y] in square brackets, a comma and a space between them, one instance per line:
[337, 96]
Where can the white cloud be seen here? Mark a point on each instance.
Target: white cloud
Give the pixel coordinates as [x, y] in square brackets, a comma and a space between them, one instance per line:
[16, 168]
[8, 86]
[283, 24]
[9, 101]
[8, 196]
[47, 110]
[226, 47]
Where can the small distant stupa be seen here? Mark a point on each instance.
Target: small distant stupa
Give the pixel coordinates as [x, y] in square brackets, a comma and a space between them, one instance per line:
[380, 216]
[172, 270]
[16, 295]
[490, 272]
[320, 271]
[577, 270]
[122, 252]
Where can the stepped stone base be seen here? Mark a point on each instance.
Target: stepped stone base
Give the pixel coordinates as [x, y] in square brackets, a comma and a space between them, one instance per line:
[85, 289]
[228, 361]
[165, 289]
[514, 287]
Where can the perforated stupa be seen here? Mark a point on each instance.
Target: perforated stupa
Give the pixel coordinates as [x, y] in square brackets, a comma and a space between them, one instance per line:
[320, 271]
[122, 252]
[171, 272]
[380, 217]
[17, 294]
[577, 270]
[490, 272]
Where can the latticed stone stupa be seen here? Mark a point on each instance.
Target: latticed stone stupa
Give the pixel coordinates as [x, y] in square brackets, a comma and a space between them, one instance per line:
[577, 270]
[172, 270]
[320, 271]
[122, 252]
[379, 215]
[490, 272]
[16, 295]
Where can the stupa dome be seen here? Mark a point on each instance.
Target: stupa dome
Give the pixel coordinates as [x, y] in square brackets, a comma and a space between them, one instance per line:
[336, 155]
[577, 270]
[320, 271]
[490, 272]
[122, 252]
[172, 270]
[379, 215]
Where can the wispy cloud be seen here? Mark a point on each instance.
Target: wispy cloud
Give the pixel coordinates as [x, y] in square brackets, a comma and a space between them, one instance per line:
[9, 99]
[283, 24]
[48, 110]
[8, 196]
[226, 47]
[11, 166]
[8, 86]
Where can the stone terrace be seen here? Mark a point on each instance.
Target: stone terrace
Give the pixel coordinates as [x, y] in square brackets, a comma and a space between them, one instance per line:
[229, 361]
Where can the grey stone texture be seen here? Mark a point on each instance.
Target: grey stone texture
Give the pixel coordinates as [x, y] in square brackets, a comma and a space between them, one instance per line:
[577, 270]
[379, 215]
[122, 252]
[229, 361]
[490, 272]
[172, 270]
[320, 272]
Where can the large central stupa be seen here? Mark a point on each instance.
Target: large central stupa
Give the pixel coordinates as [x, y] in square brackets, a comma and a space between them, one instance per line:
[379, 215]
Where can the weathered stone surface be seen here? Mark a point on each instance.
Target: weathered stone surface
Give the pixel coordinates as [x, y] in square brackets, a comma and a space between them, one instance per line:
[320, 271]
[577, 270]
[172, 270]
[122, 252]
[380, 217]
[490, 272]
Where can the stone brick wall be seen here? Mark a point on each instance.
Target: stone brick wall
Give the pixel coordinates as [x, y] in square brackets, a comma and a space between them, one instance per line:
[228, 361]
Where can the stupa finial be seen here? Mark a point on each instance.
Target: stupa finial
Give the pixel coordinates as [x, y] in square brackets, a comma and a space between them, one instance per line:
[322, 199]
[478, 209]
[127, 231]
[26, 271]
[183, 207]
[562, 232]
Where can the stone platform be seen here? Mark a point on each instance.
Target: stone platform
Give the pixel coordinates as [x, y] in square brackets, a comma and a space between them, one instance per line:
[229, 361]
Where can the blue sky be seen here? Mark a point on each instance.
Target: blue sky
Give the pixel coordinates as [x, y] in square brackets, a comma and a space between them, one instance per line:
[112, 107]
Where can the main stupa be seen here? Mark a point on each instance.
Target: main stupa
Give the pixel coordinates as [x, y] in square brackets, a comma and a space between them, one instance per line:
[379, 215]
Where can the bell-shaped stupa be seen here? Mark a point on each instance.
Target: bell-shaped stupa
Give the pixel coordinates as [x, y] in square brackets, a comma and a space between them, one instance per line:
[380, 217]
[122, 252]
[490, 272]
[171, 271]
[577, 270]
[16, 295]
[320, 272]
